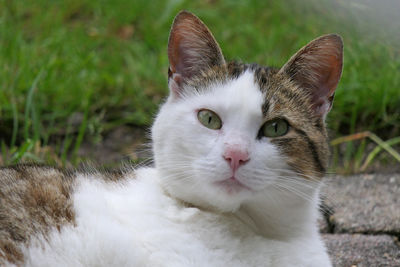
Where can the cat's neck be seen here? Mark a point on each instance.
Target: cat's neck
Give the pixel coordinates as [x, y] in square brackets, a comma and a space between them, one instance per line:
[277, 214]
[282, 218]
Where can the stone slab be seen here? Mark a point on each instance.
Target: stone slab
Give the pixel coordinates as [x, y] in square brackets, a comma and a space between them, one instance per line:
[364, 203]
[359, 250]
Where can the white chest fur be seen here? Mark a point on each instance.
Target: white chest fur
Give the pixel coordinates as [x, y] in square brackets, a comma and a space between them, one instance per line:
[137, 224]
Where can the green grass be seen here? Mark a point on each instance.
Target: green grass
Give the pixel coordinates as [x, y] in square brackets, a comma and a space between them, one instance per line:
[72, 70]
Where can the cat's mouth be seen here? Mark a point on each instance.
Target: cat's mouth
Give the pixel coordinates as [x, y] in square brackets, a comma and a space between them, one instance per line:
[232, 185]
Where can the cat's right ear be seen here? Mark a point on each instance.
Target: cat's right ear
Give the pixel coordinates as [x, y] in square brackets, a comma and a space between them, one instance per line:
[317, 68]
[191, 50]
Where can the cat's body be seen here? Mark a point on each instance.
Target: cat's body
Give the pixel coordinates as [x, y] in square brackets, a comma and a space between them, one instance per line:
[239, 152]
[100, 228]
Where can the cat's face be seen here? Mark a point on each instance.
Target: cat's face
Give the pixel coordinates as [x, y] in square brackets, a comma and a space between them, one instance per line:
[231, 132]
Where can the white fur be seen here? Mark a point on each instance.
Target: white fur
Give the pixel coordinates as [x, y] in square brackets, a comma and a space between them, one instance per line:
[177, 214]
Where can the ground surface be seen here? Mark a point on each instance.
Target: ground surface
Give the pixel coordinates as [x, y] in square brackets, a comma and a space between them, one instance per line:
[362, 227]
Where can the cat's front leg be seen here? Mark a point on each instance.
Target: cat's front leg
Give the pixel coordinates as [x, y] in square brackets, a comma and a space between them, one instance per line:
[304, 253]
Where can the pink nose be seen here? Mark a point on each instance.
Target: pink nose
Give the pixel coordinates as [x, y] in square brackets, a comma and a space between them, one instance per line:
[235, 156]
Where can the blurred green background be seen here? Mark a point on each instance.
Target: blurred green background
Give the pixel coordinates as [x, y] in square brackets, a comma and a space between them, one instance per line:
[72, 71]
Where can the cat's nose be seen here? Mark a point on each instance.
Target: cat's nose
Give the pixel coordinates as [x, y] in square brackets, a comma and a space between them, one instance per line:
[236, 156]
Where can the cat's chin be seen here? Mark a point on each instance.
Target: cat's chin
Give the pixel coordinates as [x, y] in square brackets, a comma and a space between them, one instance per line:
[232, 186]
[226, 196]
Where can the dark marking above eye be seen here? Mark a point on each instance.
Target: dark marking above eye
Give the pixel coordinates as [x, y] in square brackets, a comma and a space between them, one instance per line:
[319, 125]
[261, 77]
[265, 108]
[236, 69]
[263, 80]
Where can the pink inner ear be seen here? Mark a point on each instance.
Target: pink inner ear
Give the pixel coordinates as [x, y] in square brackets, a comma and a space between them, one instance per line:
[330, 76]
[317, 68]
[191, 48]
[324, 93]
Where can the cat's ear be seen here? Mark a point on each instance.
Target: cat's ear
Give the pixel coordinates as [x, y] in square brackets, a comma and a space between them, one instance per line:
[317, 68]
[191, 49]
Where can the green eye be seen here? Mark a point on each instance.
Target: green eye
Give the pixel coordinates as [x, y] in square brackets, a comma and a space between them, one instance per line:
[209, 119]
[274, 128]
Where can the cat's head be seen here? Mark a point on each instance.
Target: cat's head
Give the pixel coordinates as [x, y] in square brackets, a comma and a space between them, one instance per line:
[230, 132]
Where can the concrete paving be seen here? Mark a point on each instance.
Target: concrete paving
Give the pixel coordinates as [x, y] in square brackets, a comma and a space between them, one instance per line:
[362, 226]
[362, 250]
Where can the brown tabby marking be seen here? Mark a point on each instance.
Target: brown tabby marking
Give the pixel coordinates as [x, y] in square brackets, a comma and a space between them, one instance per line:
[33, 200]
[36, 199]
[306, 145]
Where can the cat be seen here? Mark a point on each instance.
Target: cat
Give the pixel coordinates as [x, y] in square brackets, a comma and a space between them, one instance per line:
[239, 154]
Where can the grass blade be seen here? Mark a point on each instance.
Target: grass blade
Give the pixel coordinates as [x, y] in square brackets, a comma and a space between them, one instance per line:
[381, 145]
[29, 104]
[15, 123]
[22, 151]
[376, 151]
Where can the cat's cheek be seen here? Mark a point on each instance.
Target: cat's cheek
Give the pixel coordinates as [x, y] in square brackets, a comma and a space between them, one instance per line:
[211, 167]
[267, 164]
[205, 144]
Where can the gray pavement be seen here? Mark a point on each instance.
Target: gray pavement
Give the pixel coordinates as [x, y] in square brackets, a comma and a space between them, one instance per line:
[362, 227]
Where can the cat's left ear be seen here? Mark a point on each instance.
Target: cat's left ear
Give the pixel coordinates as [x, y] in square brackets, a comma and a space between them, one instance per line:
[317, 68]
[191, 50]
